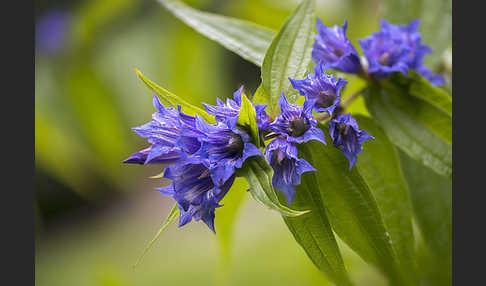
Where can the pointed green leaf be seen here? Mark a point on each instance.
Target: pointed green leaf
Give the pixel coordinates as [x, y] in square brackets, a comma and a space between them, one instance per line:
[313, 231]
[421, 88]
[289, 55]
[352, 209]
[173, 100]
[379, 165]
[246, 39]
[260, 96]
[414, 126]
[431, 196]
[247, 118]
[259, 176]
[172, 216]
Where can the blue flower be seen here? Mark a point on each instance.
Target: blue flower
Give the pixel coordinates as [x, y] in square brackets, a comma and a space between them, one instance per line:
[287, 167]
[346, 136]
[413, 39]
[398, 48]
[224, 147]
[195, 193]
[324, 90]
[173, 136]
[231, 109]
[296, 123]
[333, 48]
[386, 52]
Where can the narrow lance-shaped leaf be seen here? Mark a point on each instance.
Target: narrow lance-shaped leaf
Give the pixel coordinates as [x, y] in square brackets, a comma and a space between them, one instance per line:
[402, 118]
[259, 176]
[247, 118]
[352, 209]
[379, 165]
[172, 216]
[260, 96]
[421, 88]
[173, 100]
[289, 55]
[431, 196]
[313, 231]
[400, 89]
[246, 39]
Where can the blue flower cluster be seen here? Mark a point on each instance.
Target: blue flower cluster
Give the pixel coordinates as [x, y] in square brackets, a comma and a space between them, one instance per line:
[202, 157]
[395, 48]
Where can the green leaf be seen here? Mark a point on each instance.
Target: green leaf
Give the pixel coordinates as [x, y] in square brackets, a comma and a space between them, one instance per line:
[259, 176]
[313, 231]
[431, 196]
[173, 100]
[379, 165]
[247, 118]
[246, 39]
[289, 55]
[421, 88]
[172, 216]
[260, 96]
[226, 216]
[352, 209]
[414, 126]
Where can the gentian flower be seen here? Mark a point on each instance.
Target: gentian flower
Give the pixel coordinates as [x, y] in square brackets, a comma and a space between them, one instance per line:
[386, 52]
[321, 88]
[398, 48]
[333, 48]
[173, 136]
[412, 37]
[224, 147]
[231, 109]
[195, 193]
[296, 123]
[346, 136]
[287, 167]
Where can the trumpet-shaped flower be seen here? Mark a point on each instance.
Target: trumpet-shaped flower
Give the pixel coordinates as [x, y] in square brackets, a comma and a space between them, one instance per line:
[224, 147]
[195, 193]
[172, 134]
[324, 90]
[333, 49]
[347, 136]
[287, 167]
[296, 123]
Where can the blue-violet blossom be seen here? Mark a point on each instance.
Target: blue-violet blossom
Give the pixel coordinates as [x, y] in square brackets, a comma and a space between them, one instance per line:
[296, 123]
[195, 193]
[398, 48]
[346, 136]
[224, 147]
[287, 167]
[230, 110]
[173, 136]
[324, 90]
[333, 48]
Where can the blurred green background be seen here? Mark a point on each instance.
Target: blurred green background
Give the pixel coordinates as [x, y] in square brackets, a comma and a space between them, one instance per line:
[94, 214]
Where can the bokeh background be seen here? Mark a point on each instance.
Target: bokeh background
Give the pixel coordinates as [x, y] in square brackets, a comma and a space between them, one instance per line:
[94, 215]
